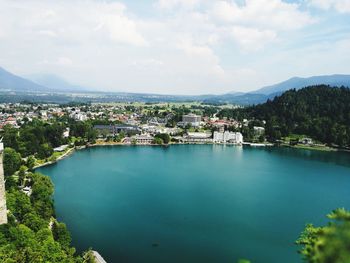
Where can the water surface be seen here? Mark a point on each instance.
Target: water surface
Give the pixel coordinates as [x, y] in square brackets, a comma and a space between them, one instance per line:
[196, 203]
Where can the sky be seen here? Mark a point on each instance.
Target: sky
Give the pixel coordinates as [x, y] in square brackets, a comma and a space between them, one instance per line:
[175, 46]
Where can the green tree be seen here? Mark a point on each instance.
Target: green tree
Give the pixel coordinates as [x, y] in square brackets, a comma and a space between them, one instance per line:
[61, 234]
[89, 257]
[164, 136]
[34, 222]
[44, 151]
[18, 203]
[157, 140]
[31, 162]
[41, 197]
[22, 174]
[327, 244]
[12, 161]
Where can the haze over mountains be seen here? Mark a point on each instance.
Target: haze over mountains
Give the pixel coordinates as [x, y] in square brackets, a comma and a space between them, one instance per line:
[52, 84]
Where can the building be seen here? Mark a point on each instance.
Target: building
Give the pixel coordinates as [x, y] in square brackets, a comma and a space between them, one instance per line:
[143, 139]
[228, 137]
[66, 133]
[61, 148]
[196, 137]
[191, 119]
[306, 141]
[3, 209]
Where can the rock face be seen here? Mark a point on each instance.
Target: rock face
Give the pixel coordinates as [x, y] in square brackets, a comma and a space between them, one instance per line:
[3, 209]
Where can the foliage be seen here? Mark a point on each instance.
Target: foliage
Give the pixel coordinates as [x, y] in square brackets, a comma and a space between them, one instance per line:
[42, 190]
[61, 234]
[328, 243]
[11, 160]
[27, 237]
[164, 137]
[157, 140]
[31, 162]
[320, 112]
[22, 174]
[44, 151]
[35, 137]
[89, 257]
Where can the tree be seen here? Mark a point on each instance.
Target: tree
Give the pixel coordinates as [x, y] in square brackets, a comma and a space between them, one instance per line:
[12, 161]
[41, 197]
[31, 162]
[22, 174]
[61, 234]
[157, 140]
[89, 257]
[34, 222]
[164, 136]
[18, 203]
[10, 137]
[45, 151]
[328, 243]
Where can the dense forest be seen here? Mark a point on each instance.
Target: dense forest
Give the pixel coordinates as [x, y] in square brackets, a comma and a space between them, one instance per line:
[321, 112]
[32, 233]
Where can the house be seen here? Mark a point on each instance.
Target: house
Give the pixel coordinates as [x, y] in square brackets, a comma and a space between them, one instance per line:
[306, 141]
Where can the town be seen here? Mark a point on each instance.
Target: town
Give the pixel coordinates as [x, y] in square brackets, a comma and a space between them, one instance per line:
[131, 124]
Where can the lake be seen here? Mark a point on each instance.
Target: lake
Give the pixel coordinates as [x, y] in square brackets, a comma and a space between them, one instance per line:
[196, 203]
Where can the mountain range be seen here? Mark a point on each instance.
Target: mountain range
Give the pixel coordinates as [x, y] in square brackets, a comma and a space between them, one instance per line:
[56, 89]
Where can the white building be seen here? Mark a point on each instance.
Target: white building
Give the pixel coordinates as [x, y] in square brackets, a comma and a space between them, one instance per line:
[143, 139]
[192, 119]
[66, 133]
[228, 137]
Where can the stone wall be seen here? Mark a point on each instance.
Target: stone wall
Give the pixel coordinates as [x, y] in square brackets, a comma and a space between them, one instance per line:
[3, 209]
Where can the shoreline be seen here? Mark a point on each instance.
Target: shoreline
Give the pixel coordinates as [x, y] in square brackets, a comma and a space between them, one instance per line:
[244, 144]
[65, 155]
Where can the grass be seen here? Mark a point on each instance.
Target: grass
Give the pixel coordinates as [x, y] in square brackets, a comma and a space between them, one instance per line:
[314, 147]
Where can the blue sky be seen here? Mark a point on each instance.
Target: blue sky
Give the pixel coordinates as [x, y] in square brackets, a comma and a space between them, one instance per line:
[175, 46]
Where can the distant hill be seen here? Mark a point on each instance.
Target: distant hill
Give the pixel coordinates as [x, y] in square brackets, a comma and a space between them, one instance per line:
[320, 112]
[58, 90]
[9, 81]
[56, 83]
[298, 83]
[239, 98]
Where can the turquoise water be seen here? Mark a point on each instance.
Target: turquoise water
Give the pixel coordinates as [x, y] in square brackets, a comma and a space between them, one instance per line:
[198, 203]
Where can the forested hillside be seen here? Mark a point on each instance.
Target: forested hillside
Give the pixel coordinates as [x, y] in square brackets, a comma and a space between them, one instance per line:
[321, 112]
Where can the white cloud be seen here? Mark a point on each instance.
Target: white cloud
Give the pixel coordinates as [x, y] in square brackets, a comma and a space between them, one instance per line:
[342, 6]
[272, 14]
[252, 39]
[170, 4]
[175, 46]
[64, 61]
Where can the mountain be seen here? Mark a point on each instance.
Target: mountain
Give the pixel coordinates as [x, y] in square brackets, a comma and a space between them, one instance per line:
[298, 83]
[240, 99]
[9, 81]
[56, 83]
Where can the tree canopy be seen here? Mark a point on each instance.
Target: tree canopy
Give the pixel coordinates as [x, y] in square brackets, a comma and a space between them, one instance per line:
[321, 112]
